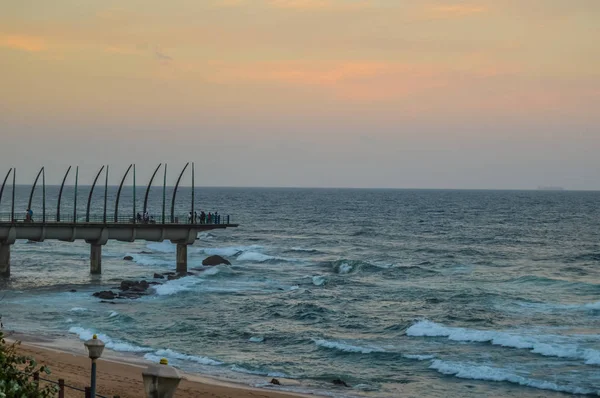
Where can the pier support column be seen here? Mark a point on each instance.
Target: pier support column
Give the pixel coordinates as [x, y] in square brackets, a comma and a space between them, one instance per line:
[181, 258]
[95, 259]
[4, 260]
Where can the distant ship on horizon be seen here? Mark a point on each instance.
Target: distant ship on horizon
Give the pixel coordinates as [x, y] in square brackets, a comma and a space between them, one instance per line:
[545, 188]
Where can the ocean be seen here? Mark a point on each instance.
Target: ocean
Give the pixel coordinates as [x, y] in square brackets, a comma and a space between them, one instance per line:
[412, 293]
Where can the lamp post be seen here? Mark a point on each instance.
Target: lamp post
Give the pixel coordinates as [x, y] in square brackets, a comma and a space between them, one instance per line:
[160, 381]
[95, 348]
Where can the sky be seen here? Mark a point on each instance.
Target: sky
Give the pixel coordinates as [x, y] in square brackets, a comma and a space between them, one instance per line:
[491, 94]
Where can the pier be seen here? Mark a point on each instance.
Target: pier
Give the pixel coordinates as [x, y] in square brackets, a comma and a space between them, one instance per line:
[97, 229]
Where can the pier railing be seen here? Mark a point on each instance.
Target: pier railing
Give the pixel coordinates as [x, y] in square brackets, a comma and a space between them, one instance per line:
[183, 219]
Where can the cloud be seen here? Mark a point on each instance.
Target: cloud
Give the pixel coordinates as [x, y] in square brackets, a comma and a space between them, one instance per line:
[23, 42]
[300, 4]
[308, 5]
[454, 10]
[161, 55]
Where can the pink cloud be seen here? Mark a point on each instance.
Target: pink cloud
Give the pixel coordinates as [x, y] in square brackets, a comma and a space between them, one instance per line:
[455, 10]
[23, 42]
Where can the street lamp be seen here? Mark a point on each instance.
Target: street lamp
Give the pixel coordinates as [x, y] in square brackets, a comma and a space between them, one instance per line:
[95, 348]
[160, 381]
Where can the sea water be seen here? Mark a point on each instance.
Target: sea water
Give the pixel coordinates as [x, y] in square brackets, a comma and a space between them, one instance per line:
[395, 292]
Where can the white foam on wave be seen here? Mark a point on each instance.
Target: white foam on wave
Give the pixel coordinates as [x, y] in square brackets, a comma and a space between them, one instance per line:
[170, 354]
[488, 373]
[344, 268]
[592, 357]
[113, 314]
[547, 345]
[69, 320]
[319, 280]
[212, 270]
[224, 251]
[149, 260]
[78, 309]
[346, 347]
[419, 357]
[592, 306]
[115, 345]
[255, 257]
[229, 251]
[205, 235]
[256, 339]
[164, 247]
[176, 286]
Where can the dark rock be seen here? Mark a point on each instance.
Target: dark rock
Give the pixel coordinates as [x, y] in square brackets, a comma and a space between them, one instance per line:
[108, 302]
[143, 252]
[128, 258]
[137, 289]
[130, 295]
[215, 260]
[340, 382]
[154, 283]
[158, 276]
[105, 295]
[168, 273]
[173, 277]
[275, 381]
[143, 284]
[126, 285]
[73, 290]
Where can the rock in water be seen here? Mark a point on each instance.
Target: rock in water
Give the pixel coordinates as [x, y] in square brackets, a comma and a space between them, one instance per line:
[126, 285]
[215, 260]
[105, 295]
[340, 382]
[128, 258]
[276, 382]
[158, 276]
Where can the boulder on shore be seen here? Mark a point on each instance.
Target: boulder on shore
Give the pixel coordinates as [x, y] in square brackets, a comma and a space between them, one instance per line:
[128, 258]
[158, 276]
[215, 260]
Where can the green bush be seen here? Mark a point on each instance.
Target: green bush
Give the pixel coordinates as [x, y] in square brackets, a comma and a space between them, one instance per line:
[16, 374]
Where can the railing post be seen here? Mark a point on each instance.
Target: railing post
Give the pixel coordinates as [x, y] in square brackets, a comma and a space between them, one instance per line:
[62, 186]
[61, 388]
[75, 196]
[88, 392]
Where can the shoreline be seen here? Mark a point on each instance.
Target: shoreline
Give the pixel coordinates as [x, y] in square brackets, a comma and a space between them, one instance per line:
[121, 374]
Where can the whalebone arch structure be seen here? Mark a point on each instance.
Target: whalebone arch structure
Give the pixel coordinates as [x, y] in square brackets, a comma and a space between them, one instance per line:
[98, 229]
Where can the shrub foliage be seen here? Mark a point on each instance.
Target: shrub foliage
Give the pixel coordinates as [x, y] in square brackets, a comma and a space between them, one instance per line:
[16, 374]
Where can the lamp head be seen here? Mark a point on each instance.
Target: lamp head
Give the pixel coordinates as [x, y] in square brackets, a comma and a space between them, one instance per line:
[95, 347]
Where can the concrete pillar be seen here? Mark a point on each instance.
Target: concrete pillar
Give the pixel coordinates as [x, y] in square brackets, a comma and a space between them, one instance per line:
[181, 258]
[4, 260]
[95, 259]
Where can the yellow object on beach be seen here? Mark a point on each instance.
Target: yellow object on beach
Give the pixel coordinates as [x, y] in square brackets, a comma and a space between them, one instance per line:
[164, 361]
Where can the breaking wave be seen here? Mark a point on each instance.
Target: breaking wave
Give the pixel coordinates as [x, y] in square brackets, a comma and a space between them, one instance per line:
[488, 373]
[547, 345]
[347, 347]
[115, 345]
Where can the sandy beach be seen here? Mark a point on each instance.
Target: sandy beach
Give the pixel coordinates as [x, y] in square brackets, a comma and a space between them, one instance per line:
[118, 377]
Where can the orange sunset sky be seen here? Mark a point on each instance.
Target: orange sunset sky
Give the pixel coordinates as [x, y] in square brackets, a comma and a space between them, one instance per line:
[339, 93]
